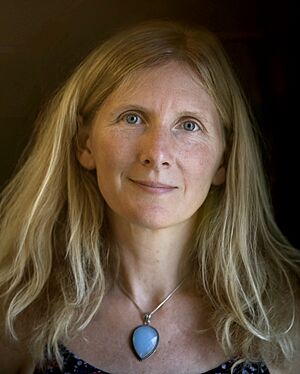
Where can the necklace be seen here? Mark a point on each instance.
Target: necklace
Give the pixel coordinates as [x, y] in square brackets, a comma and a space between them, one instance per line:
[145, 338]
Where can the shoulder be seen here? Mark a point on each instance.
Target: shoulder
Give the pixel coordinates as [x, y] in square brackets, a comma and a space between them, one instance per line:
[289, 367]
[292, 366]
[14, 357]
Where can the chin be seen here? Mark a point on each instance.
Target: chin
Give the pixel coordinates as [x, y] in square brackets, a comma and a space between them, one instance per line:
[154, 222]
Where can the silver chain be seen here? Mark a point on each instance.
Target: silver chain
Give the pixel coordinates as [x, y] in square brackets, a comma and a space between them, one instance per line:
[148, 316]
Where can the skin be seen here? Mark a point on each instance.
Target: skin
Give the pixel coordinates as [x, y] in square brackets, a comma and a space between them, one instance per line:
[157, 146]
[167, 147]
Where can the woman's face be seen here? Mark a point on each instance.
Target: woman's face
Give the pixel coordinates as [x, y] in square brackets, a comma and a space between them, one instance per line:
[157, 145]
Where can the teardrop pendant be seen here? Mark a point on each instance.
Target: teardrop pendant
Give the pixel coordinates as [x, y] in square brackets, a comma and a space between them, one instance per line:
[145, 339]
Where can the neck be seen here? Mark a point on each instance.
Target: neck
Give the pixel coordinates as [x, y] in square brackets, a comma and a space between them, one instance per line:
[153, 262]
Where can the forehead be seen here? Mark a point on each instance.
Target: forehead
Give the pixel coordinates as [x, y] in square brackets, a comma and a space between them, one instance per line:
[173, 72]
[174, 82]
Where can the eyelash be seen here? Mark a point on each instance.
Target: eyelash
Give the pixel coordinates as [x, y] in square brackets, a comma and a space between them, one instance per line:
[124, 117]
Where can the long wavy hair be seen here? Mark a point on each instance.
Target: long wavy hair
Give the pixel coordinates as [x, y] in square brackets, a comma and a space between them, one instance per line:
[55, 252]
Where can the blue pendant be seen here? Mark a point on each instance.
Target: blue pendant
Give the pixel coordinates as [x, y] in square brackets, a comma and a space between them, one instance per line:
[145, 340]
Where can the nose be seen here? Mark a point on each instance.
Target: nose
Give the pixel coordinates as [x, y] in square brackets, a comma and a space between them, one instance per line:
[156, 149]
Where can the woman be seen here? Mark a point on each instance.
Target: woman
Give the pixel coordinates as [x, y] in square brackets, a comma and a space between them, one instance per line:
[138, 235]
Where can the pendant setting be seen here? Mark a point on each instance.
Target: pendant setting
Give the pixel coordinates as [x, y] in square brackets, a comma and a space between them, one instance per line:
[145, 339]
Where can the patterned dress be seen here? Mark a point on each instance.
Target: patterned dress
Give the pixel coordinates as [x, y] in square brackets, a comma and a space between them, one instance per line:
[74, 365]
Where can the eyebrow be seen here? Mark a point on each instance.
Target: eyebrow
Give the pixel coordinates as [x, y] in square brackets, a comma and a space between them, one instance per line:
[128, 107]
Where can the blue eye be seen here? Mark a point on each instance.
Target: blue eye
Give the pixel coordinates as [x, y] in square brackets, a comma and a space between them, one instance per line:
[190, 126]
[132, 119]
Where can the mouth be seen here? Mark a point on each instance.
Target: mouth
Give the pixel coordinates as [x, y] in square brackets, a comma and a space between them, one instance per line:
[153, 186]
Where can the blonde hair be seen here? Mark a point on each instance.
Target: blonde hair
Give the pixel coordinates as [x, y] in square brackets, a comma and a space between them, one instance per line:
[55, 249]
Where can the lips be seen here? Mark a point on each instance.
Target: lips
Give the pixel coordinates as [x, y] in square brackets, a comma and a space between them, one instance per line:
[153, 184]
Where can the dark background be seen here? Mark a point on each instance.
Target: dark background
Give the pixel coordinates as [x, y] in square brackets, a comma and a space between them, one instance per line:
[41, 41]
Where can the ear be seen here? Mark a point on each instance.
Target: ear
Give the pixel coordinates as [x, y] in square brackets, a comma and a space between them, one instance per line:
[84, 151]
[220, 176]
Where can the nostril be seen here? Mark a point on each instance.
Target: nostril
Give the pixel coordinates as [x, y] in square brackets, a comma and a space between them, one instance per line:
[155, 162]
[147, 162]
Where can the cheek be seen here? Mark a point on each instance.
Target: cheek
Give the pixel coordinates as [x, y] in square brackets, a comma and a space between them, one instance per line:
[200, 167]
[112, 155]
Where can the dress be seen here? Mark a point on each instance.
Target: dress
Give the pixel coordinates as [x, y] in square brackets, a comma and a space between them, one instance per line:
[74, 365]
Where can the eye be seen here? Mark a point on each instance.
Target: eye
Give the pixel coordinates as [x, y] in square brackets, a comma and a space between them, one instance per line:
[190, 126]
[132, 119]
